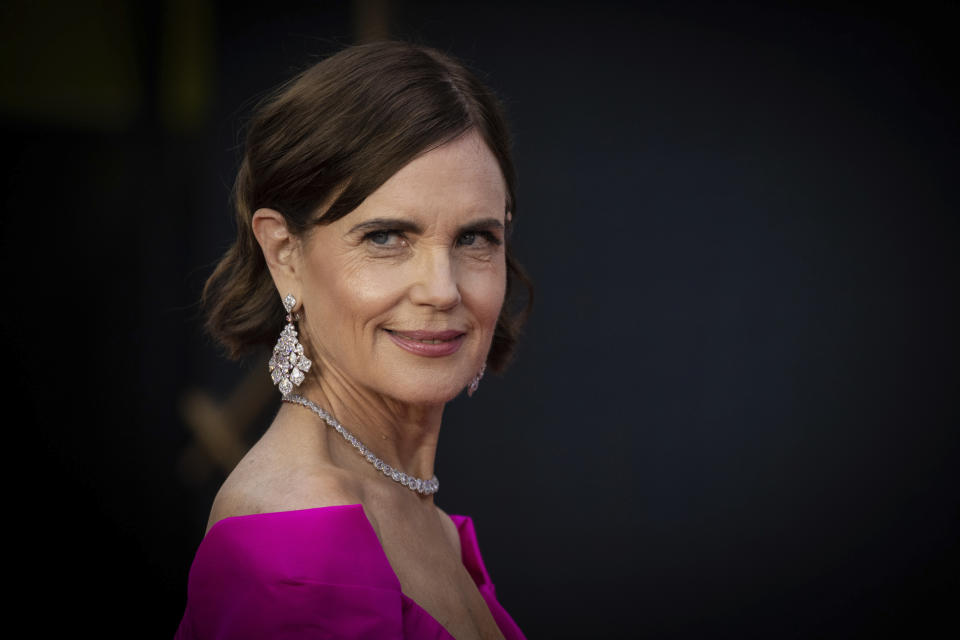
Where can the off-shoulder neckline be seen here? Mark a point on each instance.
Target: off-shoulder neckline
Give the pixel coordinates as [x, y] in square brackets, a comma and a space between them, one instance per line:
[346, 507]
[469, 550]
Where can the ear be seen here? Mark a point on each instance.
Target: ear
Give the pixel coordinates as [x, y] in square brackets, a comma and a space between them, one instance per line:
[281, 249]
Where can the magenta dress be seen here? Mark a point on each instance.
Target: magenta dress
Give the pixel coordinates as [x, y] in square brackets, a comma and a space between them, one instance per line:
[313, 573]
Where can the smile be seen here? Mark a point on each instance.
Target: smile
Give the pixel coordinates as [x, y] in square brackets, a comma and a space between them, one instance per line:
[428, 343]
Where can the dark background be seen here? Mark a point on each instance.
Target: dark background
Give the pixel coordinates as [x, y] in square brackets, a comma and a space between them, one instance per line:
[733, 413]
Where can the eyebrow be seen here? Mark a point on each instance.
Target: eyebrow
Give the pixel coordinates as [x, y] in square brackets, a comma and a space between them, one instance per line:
[401, 224]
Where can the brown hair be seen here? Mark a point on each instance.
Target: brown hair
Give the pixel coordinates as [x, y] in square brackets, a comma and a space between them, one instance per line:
[336, 132]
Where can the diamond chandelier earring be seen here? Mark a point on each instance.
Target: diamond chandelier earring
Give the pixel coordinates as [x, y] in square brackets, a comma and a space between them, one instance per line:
[472, 389]
[288, 364]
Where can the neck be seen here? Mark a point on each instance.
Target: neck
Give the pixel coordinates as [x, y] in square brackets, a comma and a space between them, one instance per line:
[402, 435]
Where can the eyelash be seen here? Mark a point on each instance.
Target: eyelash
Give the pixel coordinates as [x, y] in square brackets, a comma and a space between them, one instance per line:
[368, 237]
[486, 235]
[489, 236]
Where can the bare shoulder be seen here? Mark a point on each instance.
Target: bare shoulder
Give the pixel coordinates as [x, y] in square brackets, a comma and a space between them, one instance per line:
[450, 529]
[262, 484]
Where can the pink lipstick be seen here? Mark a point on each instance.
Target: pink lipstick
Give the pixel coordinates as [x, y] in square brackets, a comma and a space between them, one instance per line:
[432, 344]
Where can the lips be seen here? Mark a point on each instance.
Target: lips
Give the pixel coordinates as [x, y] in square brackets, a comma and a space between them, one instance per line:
[428, 343]
[427, 336]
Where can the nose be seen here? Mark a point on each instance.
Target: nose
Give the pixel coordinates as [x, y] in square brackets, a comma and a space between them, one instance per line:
[436, 281]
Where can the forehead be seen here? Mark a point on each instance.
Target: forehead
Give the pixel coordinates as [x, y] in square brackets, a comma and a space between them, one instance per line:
[459, 178]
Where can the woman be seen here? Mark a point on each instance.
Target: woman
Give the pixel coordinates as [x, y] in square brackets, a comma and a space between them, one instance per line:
[373, 205]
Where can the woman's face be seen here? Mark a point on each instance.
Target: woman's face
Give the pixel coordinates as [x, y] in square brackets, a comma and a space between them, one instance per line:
[401, 296]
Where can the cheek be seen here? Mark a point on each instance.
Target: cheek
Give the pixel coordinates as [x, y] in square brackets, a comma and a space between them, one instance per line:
[370, 289]
[353, 291]
[483, 291]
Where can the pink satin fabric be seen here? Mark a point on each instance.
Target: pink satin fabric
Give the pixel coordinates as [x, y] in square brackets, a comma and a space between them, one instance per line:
[313, 573]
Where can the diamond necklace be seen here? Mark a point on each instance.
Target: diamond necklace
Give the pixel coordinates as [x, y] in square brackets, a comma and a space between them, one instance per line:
[423, 487]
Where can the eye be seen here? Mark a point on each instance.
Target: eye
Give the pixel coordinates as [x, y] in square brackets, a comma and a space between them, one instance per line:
[385, 238]
[477, 239]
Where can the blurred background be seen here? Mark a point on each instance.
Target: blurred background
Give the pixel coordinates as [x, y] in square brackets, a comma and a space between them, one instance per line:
[734, 411]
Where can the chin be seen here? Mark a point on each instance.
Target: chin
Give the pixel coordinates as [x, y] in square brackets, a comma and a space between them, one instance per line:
[428, 391]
